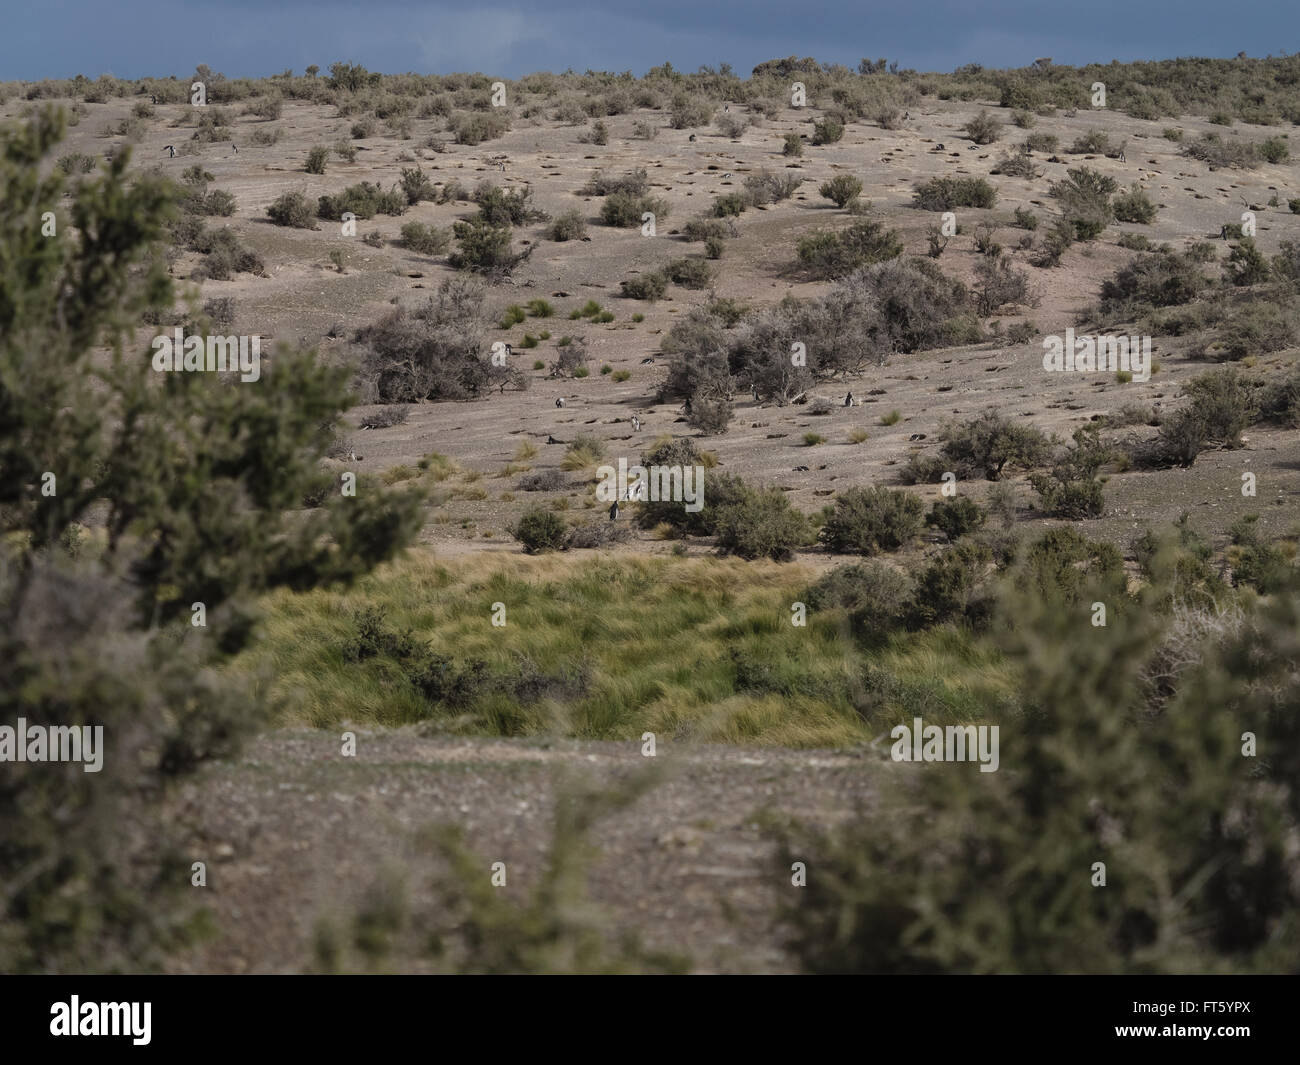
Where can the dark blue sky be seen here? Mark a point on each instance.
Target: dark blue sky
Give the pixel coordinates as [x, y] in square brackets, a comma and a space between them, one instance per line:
[134, 38]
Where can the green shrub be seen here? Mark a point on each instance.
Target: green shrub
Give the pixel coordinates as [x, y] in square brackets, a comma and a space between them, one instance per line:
[316, 160]
[570, 225]
[867, 521]
[1213, 150]
[504, 207]
[651, 285]
[842, 189]
[424, 239]
[730, 205]
[363, 200]
[292, 209]
[876, 596]
[1026, 219]
[945, 193]
[485, 248]
[479, 126]
[833, 254]
[1073, 490]
[1247, 265]
[689, 273]
[704, 228]
[984, 128]
[1085, 201]
[827, 131]
[989, 443]
[624, 210]
[416, 185]
[1275, 150]
[792, 146]
[1164, 279]
[1134, 206]
[956, 517]
[947, 588]
[541, 530]
[762, 525]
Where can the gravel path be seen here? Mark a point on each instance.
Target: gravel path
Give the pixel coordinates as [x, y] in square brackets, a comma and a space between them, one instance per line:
[292, 831]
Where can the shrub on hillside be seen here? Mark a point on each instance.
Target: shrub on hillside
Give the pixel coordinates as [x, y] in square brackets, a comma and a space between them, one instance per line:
[867, 521]
[1134, 206]
[842, 189]
[425, 239]
[945, 193]
[624, 210]
[292, 209]
[877, 597]
[541, 530]
[956, 517]
[984, 128]
[762, 525]
[989, 443]
[833, 254]
[570, 225]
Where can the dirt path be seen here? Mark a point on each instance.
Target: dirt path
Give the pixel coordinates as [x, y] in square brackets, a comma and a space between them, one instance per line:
[292, 831]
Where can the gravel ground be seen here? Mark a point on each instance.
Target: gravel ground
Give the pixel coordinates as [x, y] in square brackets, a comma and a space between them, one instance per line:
[292, 831]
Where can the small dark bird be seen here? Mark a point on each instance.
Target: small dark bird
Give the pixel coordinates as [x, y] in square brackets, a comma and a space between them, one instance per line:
[848, 400]
[692, 138]
[938, 147]
[647, 362]
[551, 440]
[235, 147]
[917, 436]
[613, 511]
[172, 150]
[559, 401]
[800, 469]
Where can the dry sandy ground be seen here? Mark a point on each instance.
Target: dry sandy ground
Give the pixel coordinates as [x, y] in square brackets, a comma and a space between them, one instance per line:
[303, 297]
[292, 831]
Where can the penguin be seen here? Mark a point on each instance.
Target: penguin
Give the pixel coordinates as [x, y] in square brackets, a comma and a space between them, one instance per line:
[169, 148]
[613, 511]
[848, 400]
[691, 138]
[551, 440]
[234, 147]
[636, 424]
[559, 401]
